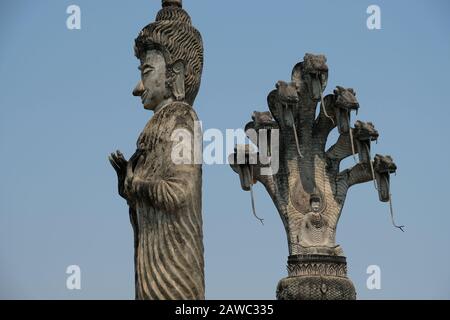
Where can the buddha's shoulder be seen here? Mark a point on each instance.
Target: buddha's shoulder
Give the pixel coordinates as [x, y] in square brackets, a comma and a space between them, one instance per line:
[178, 111]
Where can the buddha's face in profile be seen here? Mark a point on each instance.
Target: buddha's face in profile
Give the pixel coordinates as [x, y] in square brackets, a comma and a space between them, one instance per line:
[152, 87]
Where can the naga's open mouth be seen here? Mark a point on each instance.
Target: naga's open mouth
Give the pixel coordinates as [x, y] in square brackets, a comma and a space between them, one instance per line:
[384, 166]
[345, 102]
[316, 82]
[314, 72]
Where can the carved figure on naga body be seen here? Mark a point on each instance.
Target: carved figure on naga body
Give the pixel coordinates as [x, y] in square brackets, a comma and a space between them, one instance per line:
[164, 198]
[309, 188]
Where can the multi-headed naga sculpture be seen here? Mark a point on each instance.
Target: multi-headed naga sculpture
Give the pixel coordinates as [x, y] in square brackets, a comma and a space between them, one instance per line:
[307, 186]
[164, 198]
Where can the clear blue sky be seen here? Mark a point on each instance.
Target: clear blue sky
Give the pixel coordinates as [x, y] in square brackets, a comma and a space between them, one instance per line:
[66, 103]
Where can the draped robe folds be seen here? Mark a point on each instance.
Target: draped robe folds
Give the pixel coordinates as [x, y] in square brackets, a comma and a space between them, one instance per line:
[166, 211]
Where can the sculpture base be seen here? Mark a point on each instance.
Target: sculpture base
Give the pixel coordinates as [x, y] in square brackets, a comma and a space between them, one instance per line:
[316, 277]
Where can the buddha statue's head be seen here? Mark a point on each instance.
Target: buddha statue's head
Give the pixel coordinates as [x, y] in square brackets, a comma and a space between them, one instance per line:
[315, 203]
[170, 51]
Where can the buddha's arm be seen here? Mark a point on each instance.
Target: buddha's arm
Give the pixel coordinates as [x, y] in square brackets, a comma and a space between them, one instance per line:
[169, 193]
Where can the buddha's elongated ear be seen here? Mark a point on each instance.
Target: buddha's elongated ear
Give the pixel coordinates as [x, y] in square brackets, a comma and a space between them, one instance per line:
[178, 88]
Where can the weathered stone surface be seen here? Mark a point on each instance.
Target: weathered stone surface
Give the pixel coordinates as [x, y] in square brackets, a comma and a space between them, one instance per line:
[165, 198]
[309, 189]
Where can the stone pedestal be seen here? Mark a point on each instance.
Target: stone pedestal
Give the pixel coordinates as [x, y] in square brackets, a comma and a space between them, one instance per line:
[316, 277]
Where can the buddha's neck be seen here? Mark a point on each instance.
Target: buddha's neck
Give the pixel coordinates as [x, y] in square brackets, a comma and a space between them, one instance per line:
[163, 103]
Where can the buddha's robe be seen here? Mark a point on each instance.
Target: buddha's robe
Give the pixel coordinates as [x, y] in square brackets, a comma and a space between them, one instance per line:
[167, 208]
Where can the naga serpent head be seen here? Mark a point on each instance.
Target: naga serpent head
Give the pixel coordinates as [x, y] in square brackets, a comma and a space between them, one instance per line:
[383, 167]
[243, 161]
[261, 121]
[311, 75]
[287, 93]
[288, 100]
[344, 102]
[346, 98]
[384, 164]
[365, 131]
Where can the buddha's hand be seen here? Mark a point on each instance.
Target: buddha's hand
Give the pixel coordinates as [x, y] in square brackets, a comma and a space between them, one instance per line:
[119, 164]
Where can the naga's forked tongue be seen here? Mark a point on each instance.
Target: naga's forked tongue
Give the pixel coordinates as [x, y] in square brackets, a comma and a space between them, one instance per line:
[253, 197]
[322, 103]
[350, 132]
[344, 126]
[392, 210]
[371, 166]
[294, 128]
